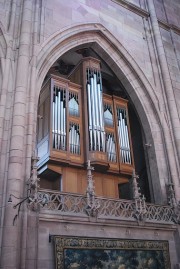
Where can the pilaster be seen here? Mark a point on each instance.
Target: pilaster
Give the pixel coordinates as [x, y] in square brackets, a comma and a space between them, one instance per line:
[12, 233]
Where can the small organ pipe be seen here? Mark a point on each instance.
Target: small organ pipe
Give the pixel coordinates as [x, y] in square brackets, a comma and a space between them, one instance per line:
[61, 119]
[124, 139]
[123, 136]
[128, 145]
[70, 140]
[73, 137]
[53, 122]
[59, 115]
[123, 133]
[64, 128]
[121, 139]
[56, 99]
[121, 142]
[110, 148]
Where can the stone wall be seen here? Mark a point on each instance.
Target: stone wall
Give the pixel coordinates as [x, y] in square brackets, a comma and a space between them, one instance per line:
[140, 41]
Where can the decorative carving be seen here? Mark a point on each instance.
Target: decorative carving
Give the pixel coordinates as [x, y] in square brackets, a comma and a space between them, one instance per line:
[140, 204]
[92, 203]
[35, 199]
[74, 204]
[174, 203]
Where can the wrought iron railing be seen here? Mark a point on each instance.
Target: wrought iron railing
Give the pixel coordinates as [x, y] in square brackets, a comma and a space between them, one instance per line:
[75, 204]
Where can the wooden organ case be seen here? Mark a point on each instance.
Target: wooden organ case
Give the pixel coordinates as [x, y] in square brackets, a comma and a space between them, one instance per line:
[78, 122]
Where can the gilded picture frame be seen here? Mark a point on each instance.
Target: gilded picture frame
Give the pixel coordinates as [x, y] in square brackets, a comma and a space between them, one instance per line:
[96, 253]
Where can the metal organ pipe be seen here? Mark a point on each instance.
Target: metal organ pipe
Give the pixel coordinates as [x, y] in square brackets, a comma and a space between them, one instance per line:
[124, 140]
[95, 111]
[110, 147]
[97, 126]
[90, 116]
[55, 119]
[53, 128]
[123, 136]
[59, 119]
[121, 141]
[64, 128]
[74, 138]
[128, 145]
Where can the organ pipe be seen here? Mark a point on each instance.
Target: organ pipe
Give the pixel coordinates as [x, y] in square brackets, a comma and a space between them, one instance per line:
[95, 111]
[74, 138]
[123, 136]
[110, 147]
[59, 119]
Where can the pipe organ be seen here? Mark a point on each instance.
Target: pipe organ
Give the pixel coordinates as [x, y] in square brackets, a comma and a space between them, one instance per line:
[80, 122]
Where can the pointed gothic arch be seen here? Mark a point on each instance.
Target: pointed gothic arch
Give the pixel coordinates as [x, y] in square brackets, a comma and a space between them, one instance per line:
[133, 79]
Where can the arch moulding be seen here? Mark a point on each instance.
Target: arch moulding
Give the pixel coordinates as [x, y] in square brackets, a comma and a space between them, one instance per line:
[132, 77]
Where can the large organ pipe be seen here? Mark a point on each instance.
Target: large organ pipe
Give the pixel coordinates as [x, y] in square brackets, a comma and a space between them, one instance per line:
[127, 141]
[121, 138]
[124, 137]
[59, 119]
[95, 111]
[101, 119]
[94, 114]
[53, 115]
[97, 126]
[56, 99]
[90, 116]
[64, 128]
[128, 145]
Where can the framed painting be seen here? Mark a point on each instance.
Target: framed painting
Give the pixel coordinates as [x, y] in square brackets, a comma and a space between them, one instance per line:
[97, 253]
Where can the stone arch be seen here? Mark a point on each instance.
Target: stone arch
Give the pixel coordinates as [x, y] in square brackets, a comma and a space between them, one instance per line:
[132, 77]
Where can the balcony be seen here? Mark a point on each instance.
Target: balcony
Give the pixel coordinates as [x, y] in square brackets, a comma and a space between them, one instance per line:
[104, 209]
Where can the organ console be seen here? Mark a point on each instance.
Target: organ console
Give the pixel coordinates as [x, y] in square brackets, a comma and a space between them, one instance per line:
[80, 122]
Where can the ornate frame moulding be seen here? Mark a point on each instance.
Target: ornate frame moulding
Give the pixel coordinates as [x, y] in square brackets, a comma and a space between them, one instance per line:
[72, 252]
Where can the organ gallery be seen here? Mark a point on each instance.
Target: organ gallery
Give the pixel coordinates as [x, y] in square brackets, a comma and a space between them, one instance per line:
[79, 120]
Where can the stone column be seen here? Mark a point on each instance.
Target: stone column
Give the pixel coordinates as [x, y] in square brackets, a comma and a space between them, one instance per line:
[30, 240]
[10, 257]
[3, 142]
[174, 124]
